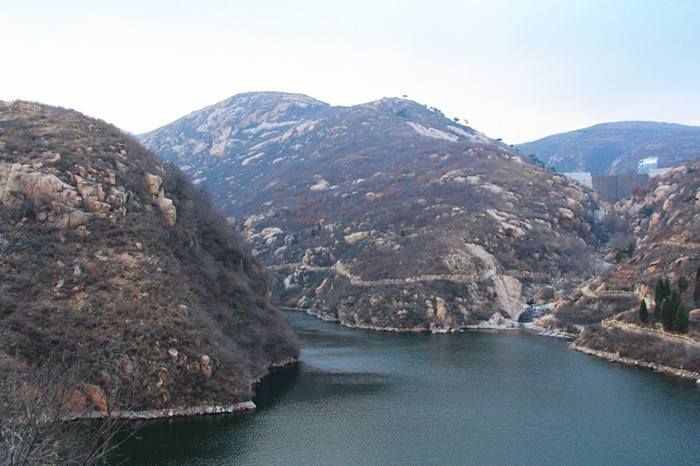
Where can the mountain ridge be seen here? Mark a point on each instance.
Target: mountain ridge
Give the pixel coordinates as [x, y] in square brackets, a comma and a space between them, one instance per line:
[343, 202]
[616, 147]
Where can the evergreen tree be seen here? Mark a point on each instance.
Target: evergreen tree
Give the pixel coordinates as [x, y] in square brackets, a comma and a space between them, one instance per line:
[658, 297]
[681, 319]
[630, 249]
[696, 295]
[643, 312]
[683, 284]
[667, 288]
[669, 308]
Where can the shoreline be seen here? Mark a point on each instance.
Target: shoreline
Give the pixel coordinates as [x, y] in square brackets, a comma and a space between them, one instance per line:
[483, 325]
[165, 413]
[169, 413]
[616, 357]
[529, 326]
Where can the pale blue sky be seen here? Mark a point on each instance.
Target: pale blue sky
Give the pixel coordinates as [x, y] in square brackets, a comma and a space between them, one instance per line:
[516, 70]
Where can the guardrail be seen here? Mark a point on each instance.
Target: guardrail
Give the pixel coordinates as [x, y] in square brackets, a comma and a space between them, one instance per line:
[611, 321]
[357, 281]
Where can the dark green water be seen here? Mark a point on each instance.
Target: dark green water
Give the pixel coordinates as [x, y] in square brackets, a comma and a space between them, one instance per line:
[360, 397]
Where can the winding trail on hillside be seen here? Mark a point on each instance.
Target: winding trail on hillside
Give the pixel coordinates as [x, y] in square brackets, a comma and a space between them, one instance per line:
[340, 269]
[608, 293]
[660, 333]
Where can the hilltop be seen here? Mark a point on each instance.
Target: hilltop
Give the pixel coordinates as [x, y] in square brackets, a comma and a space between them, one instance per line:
[615, 148]
[385, 215]
[117, 271]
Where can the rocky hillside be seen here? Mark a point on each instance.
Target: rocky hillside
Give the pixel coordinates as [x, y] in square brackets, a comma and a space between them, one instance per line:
[384, 215]
[615, 148]
[113, 266]
[663, 221]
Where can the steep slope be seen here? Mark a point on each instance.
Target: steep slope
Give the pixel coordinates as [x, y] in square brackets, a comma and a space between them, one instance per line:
[615, 148]
[664, 223]
[384, 215]
[112, 264]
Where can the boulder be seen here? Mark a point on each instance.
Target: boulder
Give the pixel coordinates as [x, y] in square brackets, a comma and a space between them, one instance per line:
[153, 183]
[167, 208]
[206, 365]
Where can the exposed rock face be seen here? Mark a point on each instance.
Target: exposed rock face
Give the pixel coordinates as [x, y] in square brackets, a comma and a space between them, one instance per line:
[17, 180]
[509, 293]
[368, 213]
[113, 261]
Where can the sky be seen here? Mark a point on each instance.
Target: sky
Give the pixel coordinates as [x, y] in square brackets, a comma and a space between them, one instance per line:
[516, 70]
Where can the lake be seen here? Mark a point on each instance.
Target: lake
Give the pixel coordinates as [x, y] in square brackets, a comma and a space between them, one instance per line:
[481, 397]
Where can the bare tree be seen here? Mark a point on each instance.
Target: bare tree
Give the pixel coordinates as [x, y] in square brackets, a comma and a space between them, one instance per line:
[38, 408]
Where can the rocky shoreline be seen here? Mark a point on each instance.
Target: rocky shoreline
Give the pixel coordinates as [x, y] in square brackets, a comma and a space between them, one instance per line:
[506, 324]
[615, 357]
[164, 413]
[167, 413]
[513, 325]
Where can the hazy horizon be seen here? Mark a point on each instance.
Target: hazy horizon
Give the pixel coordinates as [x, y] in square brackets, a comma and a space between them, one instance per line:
[516, 72]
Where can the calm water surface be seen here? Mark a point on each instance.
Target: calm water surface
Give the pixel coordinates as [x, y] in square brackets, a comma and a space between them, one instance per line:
[360, 397]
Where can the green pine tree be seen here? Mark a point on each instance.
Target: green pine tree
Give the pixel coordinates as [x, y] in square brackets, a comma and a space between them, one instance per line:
[630, 249]
[669, 309]
[681, 319]
[696, 295]
[683, 284]
[643, 312]
[659, 295]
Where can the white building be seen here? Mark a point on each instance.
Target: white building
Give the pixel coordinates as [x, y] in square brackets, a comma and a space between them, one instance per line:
[649, 163]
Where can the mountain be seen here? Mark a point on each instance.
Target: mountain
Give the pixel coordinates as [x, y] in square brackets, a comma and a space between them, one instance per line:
[662, 221]
[384, 215]
[116, 270]
[615, 148]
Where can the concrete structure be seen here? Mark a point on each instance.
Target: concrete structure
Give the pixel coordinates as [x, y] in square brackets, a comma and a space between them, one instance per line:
[649, 163]
[659, 171]
[614, 187]
[617, 187]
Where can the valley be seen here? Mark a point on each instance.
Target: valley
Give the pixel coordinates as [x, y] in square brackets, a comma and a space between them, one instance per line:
[389, 216]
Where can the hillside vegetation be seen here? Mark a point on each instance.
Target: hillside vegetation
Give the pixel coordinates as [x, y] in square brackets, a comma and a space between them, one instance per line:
[385, 215]
[114, 266]
[662, 221]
